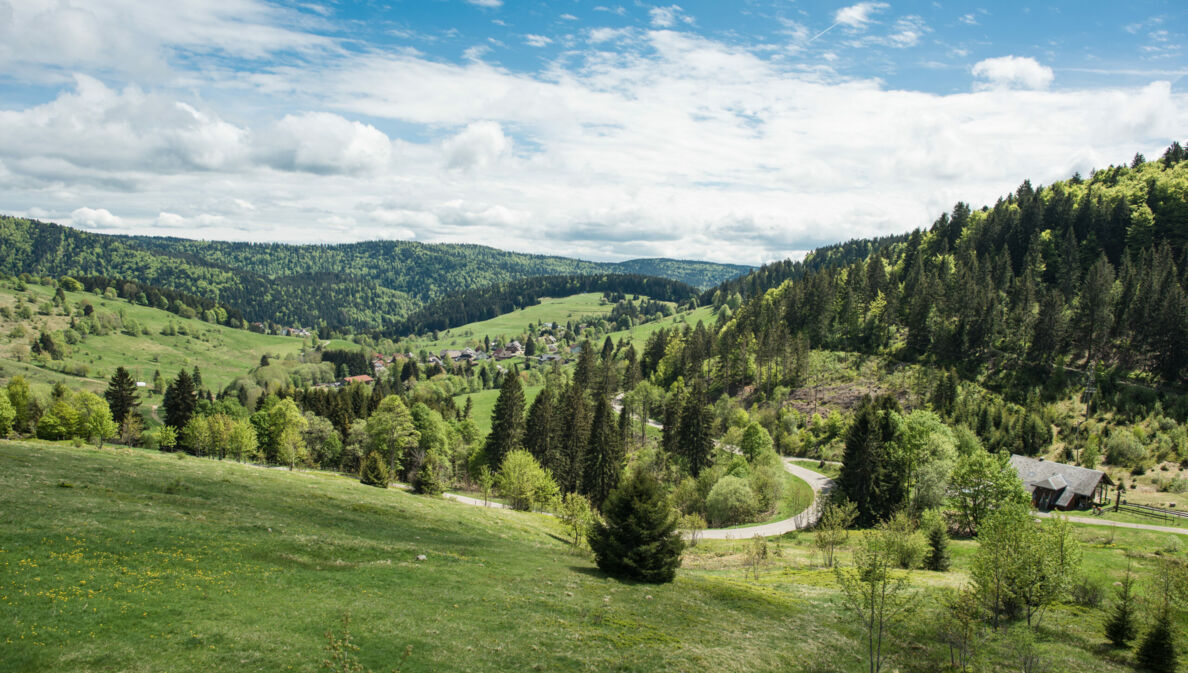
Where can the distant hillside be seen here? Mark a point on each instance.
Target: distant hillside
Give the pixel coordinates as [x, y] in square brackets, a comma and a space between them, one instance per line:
[331, 287]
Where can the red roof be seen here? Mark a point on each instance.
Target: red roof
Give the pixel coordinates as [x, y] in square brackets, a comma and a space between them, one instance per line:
[362, 378]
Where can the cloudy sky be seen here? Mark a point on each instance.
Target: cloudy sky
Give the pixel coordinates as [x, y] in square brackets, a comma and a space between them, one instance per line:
[740, 131]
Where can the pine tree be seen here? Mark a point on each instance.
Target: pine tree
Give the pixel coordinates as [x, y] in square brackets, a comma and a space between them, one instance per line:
[181, 398]
[197, 378]
[121, 395]
[603, 462]
[638, 539]
[696, 442]
[1119, 626]
[871, 477]
[507, 421]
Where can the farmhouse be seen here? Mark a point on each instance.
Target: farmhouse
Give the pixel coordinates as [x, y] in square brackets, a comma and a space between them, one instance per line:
[1059, 486]
[362, 378]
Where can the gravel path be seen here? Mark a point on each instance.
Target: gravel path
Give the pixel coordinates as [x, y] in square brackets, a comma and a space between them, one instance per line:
[1092, 521]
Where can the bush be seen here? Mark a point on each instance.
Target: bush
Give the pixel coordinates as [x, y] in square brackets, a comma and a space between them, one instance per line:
[730, 501]
[768, 485]
[522, 480]
[638, 539]
[1087, 593]
[1124, 450]
[374, 471]
[430, 479]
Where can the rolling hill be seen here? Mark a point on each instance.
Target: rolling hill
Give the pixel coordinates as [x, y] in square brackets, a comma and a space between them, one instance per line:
[349, 287]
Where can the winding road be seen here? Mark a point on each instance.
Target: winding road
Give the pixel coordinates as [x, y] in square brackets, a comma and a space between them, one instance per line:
[817, 481]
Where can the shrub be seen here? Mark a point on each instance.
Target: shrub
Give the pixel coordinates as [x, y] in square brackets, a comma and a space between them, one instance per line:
[730, 501]
[768, 485]
[374, 471]
[638, 539]
[522, 480]
[1124, 450]
[430, 479]
[1087, 593]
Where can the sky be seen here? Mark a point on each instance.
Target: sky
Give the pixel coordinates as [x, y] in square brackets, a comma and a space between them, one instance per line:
[737, 131]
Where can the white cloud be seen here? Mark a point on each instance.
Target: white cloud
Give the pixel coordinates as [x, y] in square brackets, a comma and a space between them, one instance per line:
[667, 17]
[490, 4]
[968, 19]
[321, 142]
[1013, 72]
[537, 40]
[91, 218]
[859, 15]
[669, 144]
[478, 146]
[600, 35]
[907, 32]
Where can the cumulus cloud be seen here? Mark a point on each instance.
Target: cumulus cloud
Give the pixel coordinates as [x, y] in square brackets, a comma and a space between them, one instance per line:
[322, 142]
[537, 40]
[1014, 72]
[859, 15]
[92, 218]
[478, 146]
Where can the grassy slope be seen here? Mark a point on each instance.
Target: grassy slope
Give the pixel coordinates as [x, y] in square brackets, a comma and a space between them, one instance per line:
[221, 353]
[577, 308]
[147, 562]
[484, 405]
[241, 568]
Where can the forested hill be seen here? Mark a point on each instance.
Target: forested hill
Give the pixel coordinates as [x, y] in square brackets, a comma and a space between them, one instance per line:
[1084, 271]
[353, 287]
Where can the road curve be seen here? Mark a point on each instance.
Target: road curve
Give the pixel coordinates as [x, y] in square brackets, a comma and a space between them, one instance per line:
[817, 481]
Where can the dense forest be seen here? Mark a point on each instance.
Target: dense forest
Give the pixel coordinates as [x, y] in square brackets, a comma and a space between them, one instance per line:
[488, 302]
[1086, 272]
[334, 289]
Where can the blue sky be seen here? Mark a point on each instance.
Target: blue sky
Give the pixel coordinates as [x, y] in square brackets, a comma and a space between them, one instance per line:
[735, 131]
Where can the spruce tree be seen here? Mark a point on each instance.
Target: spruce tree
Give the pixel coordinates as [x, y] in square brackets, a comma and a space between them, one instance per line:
[180, 400]
[638, 538]
[1157, 651]
[540, 435]
[696, 442]
[507, 421]
[1119, 626]
[603, 462]
[121, 395]
[374, 472]
[572, 419]
[938, 549]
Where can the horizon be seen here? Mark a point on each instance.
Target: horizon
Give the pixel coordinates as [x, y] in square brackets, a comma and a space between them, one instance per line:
[738, 135]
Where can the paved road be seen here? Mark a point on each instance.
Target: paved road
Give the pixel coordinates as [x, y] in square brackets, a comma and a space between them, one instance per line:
[817, 481]
[1093, 521]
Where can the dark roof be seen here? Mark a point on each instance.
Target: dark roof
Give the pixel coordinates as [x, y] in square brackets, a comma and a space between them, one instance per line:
[1038, 473]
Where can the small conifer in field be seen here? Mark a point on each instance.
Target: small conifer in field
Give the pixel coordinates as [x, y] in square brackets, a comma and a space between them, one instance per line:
[374, 471]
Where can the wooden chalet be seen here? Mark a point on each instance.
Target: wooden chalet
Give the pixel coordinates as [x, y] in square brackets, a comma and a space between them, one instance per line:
[1059, 486]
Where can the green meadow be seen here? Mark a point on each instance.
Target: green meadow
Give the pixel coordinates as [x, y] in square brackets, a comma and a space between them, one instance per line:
[122, 559]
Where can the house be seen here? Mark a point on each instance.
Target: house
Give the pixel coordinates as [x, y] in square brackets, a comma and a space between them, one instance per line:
[362, 378]
[514, 348]
[1058, 486]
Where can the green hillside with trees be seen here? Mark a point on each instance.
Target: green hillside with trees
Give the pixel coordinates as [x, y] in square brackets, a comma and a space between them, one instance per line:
[331, 288]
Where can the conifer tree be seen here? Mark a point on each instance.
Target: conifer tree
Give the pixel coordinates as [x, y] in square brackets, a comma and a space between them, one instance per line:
[696, 442]
[540, 434]
[121, 395]
[573, 423]
[638, 538]
[374, 471]
[603, 462]
[181, 398]
[938, 549]
[507, 421]
[1119, 625]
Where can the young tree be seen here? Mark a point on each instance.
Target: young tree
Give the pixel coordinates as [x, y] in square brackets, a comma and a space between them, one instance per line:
[638, 539]
[374, 471]
[981, 484]
[94, 418]
[993, 569]
[7, 416]
[755, 441]
[1120, 626]
[874, 593]
[961, 627]
[577, 515]
[1157, 650]
[20, 396]
[507, 421]
[121, 395]
[832, 528]
[937, 559]
[285, 424]
[522, 481]
[167, 438]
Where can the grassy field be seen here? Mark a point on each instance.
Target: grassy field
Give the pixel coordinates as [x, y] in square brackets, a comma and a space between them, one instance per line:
[222, 353]
[640, 333]
[123, 559]
[576, 308]
[484, 405]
